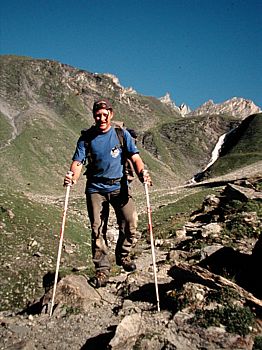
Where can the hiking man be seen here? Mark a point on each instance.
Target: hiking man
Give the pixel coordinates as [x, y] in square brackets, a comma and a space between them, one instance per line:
[106, 185]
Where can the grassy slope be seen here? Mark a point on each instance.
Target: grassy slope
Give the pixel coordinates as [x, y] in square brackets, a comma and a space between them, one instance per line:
[5, 130]
[169, 217]
[38, 158]
[29, 243]
[245, 147]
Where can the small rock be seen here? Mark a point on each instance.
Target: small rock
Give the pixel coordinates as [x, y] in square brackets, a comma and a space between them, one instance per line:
[10, 213]
[126, 333]
[212, 229]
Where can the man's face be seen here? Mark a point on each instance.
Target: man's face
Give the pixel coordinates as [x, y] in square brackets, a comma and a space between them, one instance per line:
[103, 118]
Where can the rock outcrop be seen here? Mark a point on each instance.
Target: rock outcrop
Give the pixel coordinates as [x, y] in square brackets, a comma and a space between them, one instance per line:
[236, 106]
[183, 109]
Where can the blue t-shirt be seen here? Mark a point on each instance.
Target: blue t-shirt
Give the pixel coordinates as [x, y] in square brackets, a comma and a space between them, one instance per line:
[107, 160]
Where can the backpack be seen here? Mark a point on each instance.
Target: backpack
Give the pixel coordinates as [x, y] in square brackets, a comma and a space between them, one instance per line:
[89, 134]
[129, 170]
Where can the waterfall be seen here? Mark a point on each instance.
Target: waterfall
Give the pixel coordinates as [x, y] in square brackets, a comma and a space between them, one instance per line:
[216, 151]
[214, 157]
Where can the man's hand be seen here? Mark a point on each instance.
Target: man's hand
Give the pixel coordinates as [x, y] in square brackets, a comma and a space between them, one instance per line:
[68, 180]
[145, 178]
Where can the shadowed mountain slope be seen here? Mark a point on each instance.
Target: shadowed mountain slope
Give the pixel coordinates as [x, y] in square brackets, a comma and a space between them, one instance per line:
[242, 147]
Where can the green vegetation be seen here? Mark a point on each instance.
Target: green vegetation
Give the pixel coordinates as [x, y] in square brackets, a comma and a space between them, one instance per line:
[160, 111]
[70, 310]
[235, 206]
[29, 243]
[244, 148]
[168, 218]
[224, 295]
[42, 152]
[235, 318]
[157, 171]
[233, 162]
[257, 343]
[160, 147]
[237, 226]
[5, 130]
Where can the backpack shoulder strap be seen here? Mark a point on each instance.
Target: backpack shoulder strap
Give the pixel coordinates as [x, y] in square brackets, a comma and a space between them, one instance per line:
[120, 134]
[88, 135]
[129, 171]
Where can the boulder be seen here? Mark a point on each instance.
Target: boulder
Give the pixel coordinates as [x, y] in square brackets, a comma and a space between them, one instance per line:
[72, 292]
[126, 333]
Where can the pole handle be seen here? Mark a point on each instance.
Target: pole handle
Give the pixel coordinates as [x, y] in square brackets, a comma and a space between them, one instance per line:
[70, 175]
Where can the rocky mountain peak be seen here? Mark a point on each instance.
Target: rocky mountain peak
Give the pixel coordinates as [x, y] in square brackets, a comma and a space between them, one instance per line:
[237, 107]
[167, 100]
[183, 109]
[114, 79]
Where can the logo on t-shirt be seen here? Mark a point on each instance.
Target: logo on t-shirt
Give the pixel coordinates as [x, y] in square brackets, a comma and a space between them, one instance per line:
[115, 152]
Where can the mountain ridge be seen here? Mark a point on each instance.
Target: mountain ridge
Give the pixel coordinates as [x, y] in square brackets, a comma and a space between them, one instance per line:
[236, 106]
[44, 100]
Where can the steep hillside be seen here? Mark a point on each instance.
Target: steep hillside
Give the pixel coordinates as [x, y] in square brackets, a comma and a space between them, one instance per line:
[187, 143]
[242, 147]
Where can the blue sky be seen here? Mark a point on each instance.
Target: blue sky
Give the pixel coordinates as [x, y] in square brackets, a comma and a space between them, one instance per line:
[194, 49]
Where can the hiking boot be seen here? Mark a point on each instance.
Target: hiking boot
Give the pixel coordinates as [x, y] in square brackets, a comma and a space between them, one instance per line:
[99, 280]
[127, 264]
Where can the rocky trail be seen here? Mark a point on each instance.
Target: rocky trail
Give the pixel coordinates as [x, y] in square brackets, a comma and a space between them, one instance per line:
[121, 315]
[124, 315]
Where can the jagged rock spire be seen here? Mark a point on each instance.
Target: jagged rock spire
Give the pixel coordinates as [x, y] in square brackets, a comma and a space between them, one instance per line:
[183, 109]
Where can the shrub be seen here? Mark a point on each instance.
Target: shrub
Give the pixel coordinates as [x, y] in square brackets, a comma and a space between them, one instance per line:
[237, 228]
[257, 343]
[236, 319]
[224, 295]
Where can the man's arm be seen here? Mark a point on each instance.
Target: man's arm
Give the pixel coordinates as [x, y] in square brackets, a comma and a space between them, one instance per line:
[140, 169]
[138, 163]
[76, 168]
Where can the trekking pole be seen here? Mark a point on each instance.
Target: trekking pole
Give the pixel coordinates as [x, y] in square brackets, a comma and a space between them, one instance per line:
[149, 212]
[60, 242]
